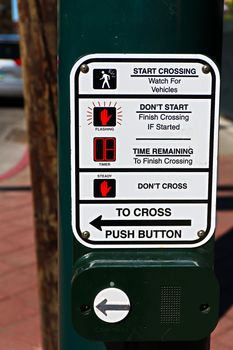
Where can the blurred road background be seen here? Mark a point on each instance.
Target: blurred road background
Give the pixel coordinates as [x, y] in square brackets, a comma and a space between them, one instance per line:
[227, 70]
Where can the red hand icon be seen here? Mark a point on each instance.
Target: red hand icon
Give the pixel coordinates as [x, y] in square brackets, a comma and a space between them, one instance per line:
[104, 189]
[104, 117]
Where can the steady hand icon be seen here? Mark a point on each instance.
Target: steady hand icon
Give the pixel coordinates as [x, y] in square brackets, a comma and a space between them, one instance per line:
[104, 189]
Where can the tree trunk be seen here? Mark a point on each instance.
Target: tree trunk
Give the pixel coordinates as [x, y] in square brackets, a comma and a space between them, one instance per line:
[38, 21]
[6, 23]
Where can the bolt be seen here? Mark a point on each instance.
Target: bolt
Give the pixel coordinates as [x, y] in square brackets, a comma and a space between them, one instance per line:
[84, 68]
[201, 233]
[85, 235]
[205, 308]
[85, 309]
[206, 69]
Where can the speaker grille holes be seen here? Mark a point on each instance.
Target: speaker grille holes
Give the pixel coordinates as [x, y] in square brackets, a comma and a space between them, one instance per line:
[170, 307]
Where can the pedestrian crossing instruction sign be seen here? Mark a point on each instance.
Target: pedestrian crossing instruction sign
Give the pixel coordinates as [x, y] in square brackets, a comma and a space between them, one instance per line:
[144, 136]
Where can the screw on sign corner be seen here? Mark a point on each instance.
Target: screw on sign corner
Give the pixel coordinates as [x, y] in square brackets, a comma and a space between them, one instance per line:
[84, 68]
[201, 233]
[206, 69]
[85, 235]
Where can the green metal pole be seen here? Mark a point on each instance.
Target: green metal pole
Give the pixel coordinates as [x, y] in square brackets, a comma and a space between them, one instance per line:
[121, 26]
[199, 345]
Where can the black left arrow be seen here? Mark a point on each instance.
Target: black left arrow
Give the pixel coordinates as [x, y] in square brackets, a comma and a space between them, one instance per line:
[104, 307]
[99, 223]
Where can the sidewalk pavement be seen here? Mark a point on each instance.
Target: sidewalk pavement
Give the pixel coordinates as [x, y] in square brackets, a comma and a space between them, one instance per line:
[19, 302]
[19, 305]
[222, 337]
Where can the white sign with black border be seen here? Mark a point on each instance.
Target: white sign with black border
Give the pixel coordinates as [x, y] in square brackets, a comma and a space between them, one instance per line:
[144, 137]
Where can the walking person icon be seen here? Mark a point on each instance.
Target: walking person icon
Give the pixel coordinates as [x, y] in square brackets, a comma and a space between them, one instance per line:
[106, 78]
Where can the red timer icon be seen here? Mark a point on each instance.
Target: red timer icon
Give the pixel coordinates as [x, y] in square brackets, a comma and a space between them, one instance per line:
[104, 149]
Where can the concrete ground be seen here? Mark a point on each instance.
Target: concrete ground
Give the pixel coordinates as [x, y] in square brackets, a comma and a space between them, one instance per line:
[222, 338]
[19, 302]
[19, 299]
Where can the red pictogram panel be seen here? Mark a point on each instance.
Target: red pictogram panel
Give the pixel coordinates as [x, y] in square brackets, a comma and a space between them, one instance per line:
[104, 116]
[104, 188]
[104, 149]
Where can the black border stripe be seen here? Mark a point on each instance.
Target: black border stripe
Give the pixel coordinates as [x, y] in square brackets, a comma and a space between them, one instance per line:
[149, 201]
[144, 170]
[140, 96]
